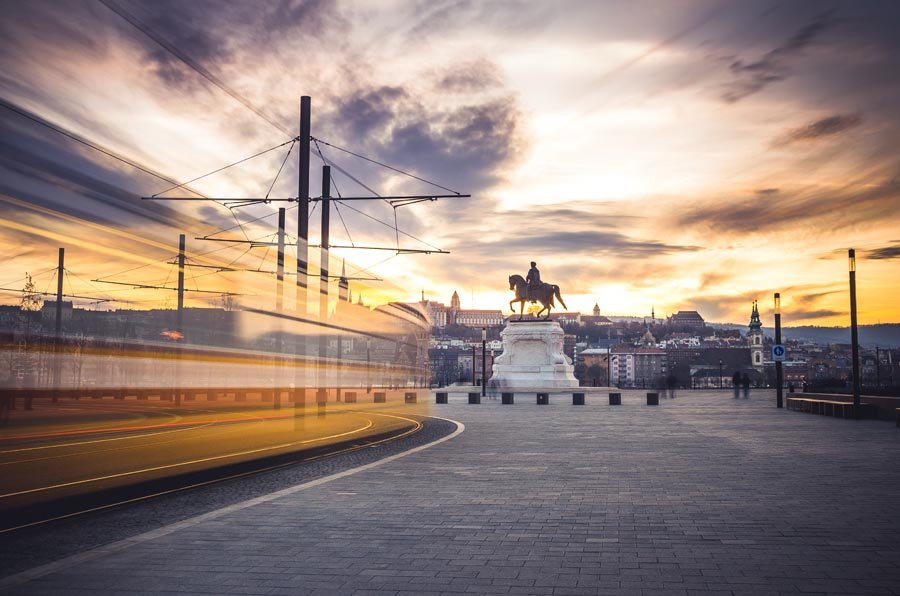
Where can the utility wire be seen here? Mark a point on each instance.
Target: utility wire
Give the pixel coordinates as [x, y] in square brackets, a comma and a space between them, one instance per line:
[386, 224]
[278, 173]
[384, 165]
[146, 30]
[240, 161]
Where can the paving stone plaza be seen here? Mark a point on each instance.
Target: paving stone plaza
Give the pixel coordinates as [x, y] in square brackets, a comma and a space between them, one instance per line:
[703, 494]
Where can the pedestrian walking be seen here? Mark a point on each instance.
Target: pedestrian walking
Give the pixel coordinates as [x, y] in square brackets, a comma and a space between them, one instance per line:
[671, 382]
[736, 383]
[745, 381]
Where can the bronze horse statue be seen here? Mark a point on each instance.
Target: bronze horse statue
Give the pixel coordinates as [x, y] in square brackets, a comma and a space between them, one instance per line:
[543, 294]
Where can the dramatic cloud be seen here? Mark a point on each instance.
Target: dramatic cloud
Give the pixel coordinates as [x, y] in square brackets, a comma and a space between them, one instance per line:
[772, 67]
[829, 208]
[587, 134]
[464, 146]
[471, 77]
[885, 252]
[825, 127]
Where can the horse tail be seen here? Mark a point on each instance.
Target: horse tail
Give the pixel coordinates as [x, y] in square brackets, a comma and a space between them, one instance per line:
[556, 291]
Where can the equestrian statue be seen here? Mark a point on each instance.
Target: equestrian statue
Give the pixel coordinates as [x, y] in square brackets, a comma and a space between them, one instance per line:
[532, 289]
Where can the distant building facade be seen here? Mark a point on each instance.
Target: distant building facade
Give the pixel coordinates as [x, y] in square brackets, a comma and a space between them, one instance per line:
[638, 367]
[690, 319]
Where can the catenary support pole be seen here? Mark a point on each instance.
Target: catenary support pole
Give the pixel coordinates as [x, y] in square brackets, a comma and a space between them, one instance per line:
[325, 207]
[779, 371]
[302, 240]
[854, 333]
[57, 334]
[279, 270]
[179, 320]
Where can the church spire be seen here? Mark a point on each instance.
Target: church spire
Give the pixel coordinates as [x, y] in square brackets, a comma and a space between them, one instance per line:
[344, 284]
[755, 323]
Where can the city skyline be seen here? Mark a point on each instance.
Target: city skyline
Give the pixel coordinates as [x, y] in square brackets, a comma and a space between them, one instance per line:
[691, 156]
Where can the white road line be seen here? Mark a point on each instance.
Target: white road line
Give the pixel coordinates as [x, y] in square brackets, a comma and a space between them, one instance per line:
[114, 547]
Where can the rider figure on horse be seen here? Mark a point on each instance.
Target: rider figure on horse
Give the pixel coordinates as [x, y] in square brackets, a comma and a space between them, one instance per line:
[534, 281]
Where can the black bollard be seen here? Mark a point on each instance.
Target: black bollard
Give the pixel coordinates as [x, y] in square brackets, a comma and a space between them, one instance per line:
[409, 397]
[350, 397]
[543, 399]
[578, 399]
[653, 399]
[380, 397]
[507, 399]
[615, 399]
[474, 397]
[440, 397]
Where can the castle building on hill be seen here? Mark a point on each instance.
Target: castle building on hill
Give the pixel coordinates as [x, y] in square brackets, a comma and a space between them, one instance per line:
[442, 315]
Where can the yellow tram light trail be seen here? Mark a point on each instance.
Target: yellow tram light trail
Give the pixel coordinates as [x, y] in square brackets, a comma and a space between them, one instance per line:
[417, 427]
[187, 463]
[126, 438]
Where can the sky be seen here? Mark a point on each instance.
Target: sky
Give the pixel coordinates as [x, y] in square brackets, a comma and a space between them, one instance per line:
[685, 155]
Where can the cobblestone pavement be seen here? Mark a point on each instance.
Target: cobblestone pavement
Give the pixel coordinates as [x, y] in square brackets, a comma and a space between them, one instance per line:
[703, 494]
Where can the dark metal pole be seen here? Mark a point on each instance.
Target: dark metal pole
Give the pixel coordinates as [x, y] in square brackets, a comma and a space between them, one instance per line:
[474, 381]
[854, 332]
[877, 367]
[60, 271]
[720, 373]
[368, 365]
[302, 239]
[323, 275]
[279, 308]
[57, 364]
[179, 319]
[779, 381]
[279, 271]
[179, 325]
[483, 361]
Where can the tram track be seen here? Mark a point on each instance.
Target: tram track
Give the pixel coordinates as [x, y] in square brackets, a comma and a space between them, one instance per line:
[215, 468]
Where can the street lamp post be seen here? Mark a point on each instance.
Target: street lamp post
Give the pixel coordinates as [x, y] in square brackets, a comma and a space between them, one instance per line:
[854, 333]
[720, 373]
[492, 362]
[483, 361]
[368, 365]
[474, 381]
[779, 381]
[609, 367]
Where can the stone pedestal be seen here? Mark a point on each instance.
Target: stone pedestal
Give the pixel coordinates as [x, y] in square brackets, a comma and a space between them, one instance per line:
[533, 358]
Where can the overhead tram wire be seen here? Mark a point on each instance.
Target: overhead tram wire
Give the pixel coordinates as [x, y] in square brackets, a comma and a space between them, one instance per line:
[384, 165]
[216, 171]
[195, 66]
[394, 227]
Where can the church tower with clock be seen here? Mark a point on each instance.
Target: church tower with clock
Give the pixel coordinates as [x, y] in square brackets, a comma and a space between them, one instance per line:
[755, 339]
